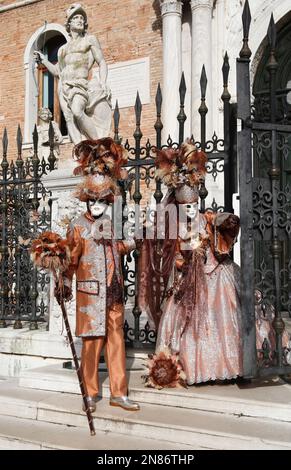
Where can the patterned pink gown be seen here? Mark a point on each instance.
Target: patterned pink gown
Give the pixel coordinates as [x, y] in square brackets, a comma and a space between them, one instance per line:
[202, 322]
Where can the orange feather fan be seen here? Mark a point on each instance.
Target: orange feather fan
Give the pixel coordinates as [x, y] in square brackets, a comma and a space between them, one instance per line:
[165, 370]
[51, 252]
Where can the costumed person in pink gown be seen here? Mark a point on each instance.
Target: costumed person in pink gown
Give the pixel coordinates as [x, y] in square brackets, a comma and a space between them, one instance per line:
[200, 318]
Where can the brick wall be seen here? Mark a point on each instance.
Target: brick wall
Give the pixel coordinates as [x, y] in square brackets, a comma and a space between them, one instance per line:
[126, 29]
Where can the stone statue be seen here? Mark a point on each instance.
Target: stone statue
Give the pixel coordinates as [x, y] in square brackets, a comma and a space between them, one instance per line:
[45, 117]
[85, 103]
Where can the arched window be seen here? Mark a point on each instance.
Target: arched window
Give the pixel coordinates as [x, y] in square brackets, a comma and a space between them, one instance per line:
[48, 85]
[40, 86]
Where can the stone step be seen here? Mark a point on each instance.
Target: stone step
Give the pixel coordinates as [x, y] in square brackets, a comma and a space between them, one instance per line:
[25, 349]
[268, 398]
[23, 434]
[179, 426]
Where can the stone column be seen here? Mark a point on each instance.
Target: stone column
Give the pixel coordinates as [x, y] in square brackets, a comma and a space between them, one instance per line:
[201, 54]
[172, 65]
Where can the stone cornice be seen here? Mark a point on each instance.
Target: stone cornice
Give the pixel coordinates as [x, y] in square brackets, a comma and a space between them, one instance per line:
[196, 4]
[14, 5]
[171, 7]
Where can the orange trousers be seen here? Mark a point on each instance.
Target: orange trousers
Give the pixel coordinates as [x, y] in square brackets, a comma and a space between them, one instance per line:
[114, 350]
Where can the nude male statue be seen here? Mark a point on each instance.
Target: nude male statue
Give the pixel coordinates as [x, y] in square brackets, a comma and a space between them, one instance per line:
[85, 103]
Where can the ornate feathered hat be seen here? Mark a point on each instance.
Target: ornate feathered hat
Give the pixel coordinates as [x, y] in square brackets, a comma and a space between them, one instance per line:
[99, 161]
[182, 170]
[102, 156]
[96, 187]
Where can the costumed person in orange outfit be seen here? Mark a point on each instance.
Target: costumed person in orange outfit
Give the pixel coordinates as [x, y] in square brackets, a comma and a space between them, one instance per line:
[95, 259]
[200, 318]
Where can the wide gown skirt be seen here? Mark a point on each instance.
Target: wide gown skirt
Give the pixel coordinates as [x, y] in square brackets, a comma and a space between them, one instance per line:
[209, 344]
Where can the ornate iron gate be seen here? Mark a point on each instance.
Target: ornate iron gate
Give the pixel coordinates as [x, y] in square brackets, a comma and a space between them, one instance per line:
[23, 289]
[24, 212]
[221, 155]
[265, 205]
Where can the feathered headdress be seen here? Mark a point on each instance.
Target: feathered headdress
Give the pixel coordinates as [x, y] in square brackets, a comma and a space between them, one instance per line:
[102, 156]
[97, 187]
[177, 167]
[167, 165]
[100, 162]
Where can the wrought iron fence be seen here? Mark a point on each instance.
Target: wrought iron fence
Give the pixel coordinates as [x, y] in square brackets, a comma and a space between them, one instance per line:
[221, 153]
[24, 211]
[25, 206]
[265, 210]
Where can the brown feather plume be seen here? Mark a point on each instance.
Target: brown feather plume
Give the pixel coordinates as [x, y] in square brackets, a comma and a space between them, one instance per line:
[51, 252]
[97, 187]
[100, 156]
[177, 167]
[165, 370]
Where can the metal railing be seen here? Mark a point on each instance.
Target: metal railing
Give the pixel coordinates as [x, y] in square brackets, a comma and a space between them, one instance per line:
[265, 210]
[23, 289]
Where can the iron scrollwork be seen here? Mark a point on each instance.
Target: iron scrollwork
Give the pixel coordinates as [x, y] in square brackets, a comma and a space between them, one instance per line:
[25, 212]
[144, 187]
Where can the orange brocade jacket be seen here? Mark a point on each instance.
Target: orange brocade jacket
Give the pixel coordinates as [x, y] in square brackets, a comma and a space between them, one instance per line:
[97, 264]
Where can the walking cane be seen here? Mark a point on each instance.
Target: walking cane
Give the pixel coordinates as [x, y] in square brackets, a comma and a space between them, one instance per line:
[79, 372]
[51, 252]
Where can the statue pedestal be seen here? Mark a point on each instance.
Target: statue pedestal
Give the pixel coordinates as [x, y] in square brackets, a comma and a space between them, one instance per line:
[65, 207]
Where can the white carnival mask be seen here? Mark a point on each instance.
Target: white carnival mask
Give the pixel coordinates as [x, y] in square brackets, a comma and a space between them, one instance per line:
[191, 210]
[97, 208]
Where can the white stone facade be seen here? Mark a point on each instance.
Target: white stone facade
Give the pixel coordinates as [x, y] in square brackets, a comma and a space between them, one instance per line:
[202, 37]
[203, 31]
